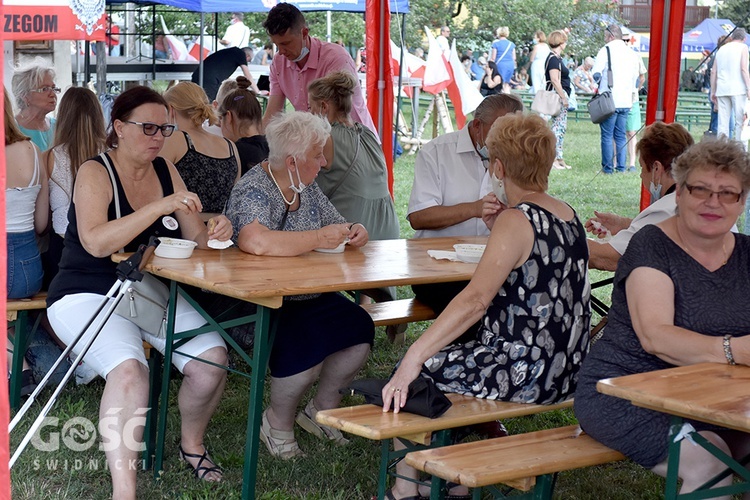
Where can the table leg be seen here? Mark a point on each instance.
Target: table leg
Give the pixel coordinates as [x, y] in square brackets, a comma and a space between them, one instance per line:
[161, 429]
[264, 332]
[673, 460]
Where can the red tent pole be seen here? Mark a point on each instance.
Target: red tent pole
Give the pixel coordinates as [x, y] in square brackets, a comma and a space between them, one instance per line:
[4, 401]
[379, 76]
[667, 23]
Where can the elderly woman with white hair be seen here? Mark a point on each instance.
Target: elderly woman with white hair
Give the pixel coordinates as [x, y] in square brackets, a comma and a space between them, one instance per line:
[36, 96]
[583, 80]
[277, 209]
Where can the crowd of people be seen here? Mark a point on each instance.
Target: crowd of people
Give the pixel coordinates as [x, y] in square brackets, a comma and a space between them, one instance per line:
[206, 163]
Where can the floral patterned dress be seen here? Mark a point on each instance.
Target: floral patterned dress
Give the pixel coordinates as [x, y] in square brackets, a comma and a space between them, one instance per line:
[535, 334]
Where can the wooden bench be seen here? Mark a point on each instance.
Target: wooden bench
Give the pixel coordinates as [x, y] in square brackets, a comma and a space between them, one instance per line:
[17, 315]
[396, 312]
[523, 462]
[370, 422]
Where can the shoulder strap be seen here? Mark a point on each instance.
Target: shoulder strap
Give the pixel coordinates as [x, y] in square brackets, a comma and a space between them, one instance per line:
[507, 48]
[329, 194]
[105, 159]
[35, 176]
[188, 140]
[231, 149]
[609, 70]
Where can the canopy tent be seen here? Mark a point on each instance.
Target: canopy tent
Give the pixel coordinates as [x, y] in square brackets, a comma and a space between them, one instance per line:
[206, 6]
[704, 36]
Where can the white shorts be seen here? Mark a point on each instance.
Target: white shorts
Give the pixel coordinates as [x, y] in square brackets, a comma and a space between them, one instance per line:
[120, 338]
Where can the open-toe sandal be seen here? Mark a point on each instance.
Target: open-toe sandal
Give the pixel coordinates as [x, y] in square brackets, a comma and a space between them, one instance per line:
[306, 421]
[281, 444]
[200, 470]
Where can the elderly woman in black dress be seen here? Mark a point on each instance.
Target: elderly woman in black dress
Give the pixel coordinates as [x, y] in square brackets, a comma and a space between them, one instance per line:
[530, 291]
[679, 298]
[278, 209]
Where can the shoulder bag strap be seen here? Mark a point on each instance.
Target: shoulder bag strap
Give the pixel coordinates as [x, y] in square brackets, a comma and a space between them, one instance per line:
[609, 70]
[349, 168]
[507, 48]
[105, 159]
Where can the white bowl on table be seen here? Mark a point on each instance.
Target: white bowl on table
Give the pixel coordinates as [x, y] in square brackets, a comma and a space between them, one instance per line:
[175, 248]
[470, 253]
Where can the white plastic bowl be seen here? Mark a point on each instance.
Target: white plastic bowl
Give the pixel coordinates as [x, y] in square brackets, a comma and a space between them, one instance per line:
[469, 253]
[175, 248]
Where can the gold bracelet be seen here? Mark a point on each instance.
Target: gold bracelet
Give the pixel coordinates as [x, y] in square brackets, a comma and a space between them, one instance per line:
[728, 350]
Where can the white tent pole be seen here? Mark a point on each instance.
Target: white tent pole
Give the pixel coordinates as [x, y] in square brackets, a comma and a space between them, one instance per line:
[328, 26]
[200, 52]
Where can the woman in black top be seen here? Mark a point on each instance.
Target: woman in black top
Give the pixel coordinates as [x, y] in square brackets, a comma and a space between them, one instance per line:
[241, 123]
[558, 79]
[492, 81]
[152, 200]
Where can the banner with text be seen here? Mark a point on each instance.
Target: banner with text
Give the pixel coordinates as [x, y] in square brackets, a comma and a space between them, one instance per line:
[53, 20]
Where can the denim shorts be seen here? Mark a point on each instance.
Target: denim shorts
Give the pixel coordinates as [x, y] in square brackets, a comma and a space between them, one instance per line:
[24, 265]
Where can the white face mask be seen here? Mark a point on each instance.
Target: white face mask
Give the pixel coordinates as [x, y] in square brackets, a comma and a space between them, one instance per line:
[498, 187]
[303, 53]
[482, 151]
[654, 189]
[301, 186]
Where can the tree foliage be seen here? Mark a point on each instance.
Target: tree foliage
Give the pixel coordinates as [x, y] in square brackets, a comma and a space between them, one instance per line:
[738, 11]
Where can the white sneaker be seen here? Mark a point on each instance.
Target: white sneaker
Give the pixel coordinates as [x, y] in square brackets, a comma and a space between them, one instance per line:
[85, 374]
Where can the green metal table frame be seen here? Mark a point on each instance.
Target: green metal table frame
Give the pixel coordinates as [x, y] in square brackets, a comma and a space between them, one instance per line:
[21, 341]
[704, 491]
[265, 324]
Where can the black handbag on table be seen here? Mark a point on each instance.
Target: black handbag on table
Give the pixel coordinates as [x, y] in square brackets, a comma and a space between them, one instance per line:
[424, 397]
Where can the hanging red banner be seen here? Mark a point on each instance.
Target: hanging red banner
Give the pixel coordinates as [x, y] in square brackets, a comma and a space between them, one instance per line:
[54, 20]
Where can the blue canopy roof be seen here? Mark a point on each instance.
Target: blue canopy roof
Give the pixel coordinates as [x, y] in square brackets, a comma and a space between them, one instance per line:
[397, 6]
[704, 36]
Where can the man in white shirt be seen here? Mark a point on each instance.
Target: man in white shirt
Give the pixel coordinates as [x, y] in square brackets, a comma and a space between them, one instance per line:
[450, 182]
[730, 82]
[237, 34]
[625, 71]
[442, 40]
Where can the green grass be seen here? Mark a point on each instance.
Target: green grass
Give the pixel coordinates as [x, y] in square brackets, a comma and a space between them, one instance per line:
[330, 472]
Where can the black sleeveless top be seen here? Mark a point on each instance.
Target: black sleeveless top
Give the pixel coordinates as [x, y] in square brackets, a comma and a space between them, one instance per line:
[81, 272]
[210, 178]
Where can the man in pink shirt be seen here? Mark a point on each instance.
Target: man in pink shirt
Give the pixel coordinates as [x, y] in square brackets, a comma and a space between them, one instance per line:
[304, 59]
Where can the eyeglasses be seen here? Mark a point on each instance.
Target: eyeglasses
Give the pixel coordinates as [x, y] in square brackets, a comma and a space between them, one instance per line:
[152, 128]
[46, 90]
[703, 193]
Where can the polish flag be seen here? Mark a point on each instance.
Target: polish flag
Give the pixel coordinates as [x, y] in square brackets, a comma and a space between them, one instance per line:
[413, 66]
[176, 46]
[469, 96]
[437, 75]
[448, 74]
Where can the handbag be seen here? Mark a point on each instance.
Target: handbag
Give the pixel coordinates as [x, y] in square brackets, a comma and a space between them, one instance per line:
[424, 397]
[602, 105]
[145, 302]
[547, 102]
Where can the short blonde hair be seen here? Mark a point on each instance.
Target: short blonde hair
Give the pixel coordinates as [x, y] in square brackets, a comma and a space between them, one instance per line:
[525, 146]
[190, 100]
[541, 36]
[557, 38]
[502, 31]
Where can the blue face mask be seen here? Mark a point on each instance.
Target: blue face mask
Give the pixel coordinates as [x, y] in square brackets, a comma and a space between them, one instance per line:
[303, 53]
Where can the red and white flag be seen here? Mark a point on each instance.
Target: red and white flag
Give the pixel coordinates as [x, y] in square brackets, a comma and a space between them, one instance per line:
[468, 93]
[413, 66]
[437, 74]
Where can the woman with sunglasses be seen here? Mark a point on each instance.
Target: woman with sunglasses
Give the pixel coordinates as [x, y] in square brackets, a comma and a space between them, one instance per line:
[34, 88]
[209, 164]
[153, 201]
[679, 298]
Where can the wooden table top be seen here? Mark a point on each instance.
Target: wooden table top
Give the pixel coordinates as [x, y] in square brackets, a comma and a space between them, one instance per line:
[716, 393]
[266, 280]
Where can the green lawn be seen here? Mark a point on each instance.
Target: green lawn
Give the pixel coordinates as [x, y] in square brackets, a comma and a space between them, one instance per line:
[330, 472]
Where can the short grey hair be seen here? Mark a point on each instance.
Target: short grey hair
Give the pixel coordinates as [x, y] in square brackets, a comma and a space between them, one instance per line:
[28, 76]
[589, 61]
[721, 154]
[739, 34]
[493, 105]
[615, 31]
[294, 134]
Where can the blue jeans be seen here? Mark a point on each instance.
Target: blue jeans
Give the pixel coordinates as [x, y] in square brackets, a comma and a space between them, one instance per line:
[24, 265]
[614, 128]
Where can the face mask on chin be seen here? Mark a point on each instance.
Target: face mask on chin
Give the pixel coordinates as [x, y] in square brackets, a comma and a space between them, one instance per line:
[301, 186]
[482, 151]
[303, 53]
